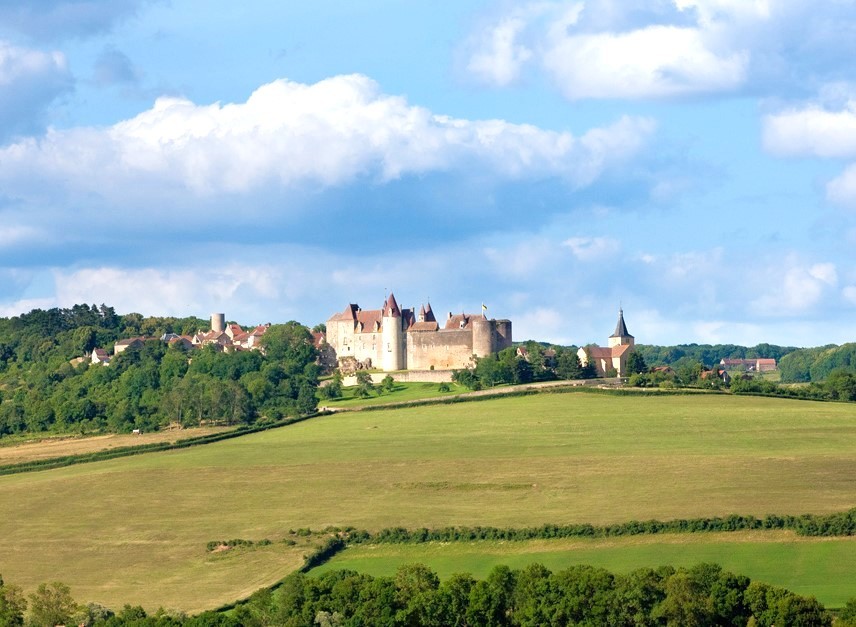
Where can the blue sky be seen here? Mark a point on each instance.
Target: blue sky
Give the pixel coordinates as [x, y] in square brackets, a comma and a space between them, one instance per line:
[691, 160]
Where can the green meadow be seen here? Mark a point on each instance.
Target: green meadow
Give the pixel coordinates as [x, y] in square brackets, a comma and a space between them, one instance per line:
[401, 393]
[134, 530]
[822, 567]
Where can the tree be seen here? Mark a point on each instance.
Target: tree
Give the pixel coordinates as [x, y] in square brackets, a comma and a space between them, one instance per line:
[333, 389]
[636, 363]
[12, 605]
[388, 384]
[51, 604]
[290, 345]
[365, 387]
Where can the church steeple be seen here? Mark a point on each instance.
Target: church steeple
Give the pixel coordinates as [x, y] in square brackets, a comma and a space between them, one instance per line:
[621, 335]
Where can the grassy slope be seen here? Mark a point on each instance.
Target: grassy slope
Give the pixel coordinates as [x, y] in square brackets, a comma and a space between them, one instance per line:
[134, 529]
[825, 568]
[402, 392]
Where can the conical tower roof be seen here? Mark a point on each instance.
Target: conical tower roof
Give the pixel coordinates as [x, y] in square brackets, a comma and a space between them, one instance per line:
[429, 313]
[390, 307]
[621, 327]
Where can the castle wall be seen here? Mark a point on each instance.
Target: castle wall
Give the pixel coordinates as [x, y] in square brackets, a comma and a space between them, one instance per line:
[444, 350]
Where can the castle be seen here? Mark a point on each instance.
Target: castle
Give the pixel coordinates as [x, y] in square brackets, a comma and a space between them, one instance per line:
[392, 338]
[614, 356]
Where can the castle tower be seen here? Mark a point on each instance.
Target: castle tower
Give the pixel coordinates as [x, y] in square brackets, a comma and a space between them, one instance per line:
[483, 335]
[621, 335]
[218, 322]
[392, 336]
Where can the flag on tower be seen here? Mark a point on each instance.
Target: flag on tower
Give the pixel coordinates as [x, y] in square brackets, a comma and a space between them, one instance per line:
[484, 308]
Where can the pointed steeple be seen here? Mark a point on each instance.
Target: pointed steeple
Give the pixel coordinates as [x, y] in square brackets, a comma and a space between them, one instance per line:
[621, 327]
[390, 307]
[429, 313]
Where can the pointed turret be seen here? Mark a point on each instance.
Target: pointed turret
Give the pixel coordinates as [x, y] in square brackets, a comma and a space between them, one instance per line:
[429, 314]
[390, 307]
[622, 335]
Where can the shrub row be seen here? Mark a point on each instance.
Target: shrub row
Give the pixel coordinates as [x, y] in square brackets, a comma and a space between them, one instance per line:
[236, 543]
[840, 524]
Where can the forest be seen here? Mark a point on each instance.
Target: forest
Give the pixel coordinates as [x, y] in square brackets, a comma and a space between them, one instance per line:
[42, 390]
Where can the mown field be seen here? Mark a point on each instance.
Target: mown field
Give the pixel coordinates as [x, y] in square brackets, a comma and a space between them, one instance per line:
[822, 567]
[68, 445]
[134, 530]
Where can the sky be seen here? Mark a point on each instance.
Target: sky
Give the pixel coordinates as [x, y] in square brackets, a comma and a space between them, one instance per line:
[691, 161]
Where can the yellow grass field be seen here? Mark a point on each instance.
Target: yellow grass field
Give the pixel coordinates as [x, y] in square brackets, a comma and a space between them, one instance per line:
[134, 530]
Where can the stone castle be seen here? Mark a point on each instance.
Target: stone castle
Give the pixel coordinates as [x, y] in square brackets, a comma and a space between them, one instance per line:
[393, 339]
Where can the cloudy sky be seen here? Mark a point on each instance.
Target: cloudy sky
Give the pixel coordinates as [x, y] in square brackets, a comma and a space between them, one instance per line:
[691, 160]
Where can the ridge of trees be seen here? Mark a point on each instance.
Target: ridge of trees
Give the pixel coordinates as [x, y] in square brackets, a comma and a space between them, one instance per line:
[147, 387]
[704, 594]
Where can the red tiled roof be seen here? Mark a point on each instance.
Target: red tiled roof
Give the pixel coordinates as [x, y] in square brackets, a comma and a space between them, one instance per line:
[424, 326]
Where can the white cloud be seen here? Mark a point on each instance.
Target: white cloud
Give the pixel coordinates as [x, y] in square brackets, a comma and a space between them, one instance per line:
[672, 48]
[652, 62]
[842, 189]
[288, 134]
[590, 249]
[542, 322]
[849, 294]
[29, 81]
[796, 289]
[499, 58]
[812, 131]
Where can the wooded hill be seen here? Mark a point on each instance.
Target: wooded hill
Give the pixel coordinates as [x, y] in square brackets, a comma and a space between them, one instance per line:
[146, 387]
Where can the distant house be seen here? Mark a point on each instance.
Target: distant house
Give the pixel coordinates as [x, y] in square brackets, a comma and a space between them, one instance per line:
[100, 356]
[614, 357]
[133, 342]
[752, 365]
[719, 373]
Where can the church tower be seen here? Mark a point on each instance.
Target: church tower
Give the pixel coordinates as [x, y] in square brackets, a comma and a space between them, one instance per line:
[621, 335]
[392, 336]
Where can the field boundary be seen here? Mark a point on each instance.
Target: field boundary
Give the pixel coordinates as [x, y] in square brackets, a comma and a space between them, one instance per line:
[139, 449]
[840, 524]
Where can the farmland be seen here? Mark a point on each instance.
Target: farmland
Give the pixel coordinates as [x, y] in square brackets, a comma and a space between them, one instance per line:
[134, 530]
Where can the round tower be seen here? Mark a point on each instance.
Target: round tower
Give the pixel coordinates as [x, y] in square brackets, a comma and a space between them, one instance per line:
[483, 332]
[392, 336]
[218, 322]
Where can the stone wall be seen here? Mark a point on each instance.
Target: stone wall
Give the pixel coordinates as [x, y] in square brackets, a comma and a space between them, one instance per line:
[444, 350]
[406, 376]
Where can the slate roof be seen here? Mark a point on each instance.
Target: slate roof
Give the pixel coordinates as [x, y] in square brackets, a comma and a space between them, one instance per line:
[621, 327]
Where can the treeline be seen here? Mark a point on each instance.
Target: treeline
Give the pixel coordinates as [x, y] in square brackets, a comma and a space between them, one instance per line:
[147, 387]
[840, 385]
[539, 364]
[817, 364]
[709, 354]
[533, 596]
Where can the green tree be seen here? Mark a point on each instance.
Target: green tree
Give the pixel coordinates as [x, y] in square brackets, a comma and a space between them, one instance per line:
[388, 384]
[12, 605]
[51, 604]
[365, 387]
[636, 363]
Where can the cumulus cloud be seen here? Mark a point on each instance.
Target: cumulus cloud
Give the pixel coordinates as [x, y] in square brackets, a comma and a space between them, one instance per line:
[52, 19]
[815, 130]
[812, 130]
[30, 80]
[641, 64]
[666, 49]
[288, 133]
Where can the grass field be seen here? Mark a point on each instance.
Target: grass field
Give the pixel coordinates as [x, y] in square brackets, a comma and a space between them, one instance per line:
[134, 529]
[822, 567]
[402, 392]
[49, 448]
